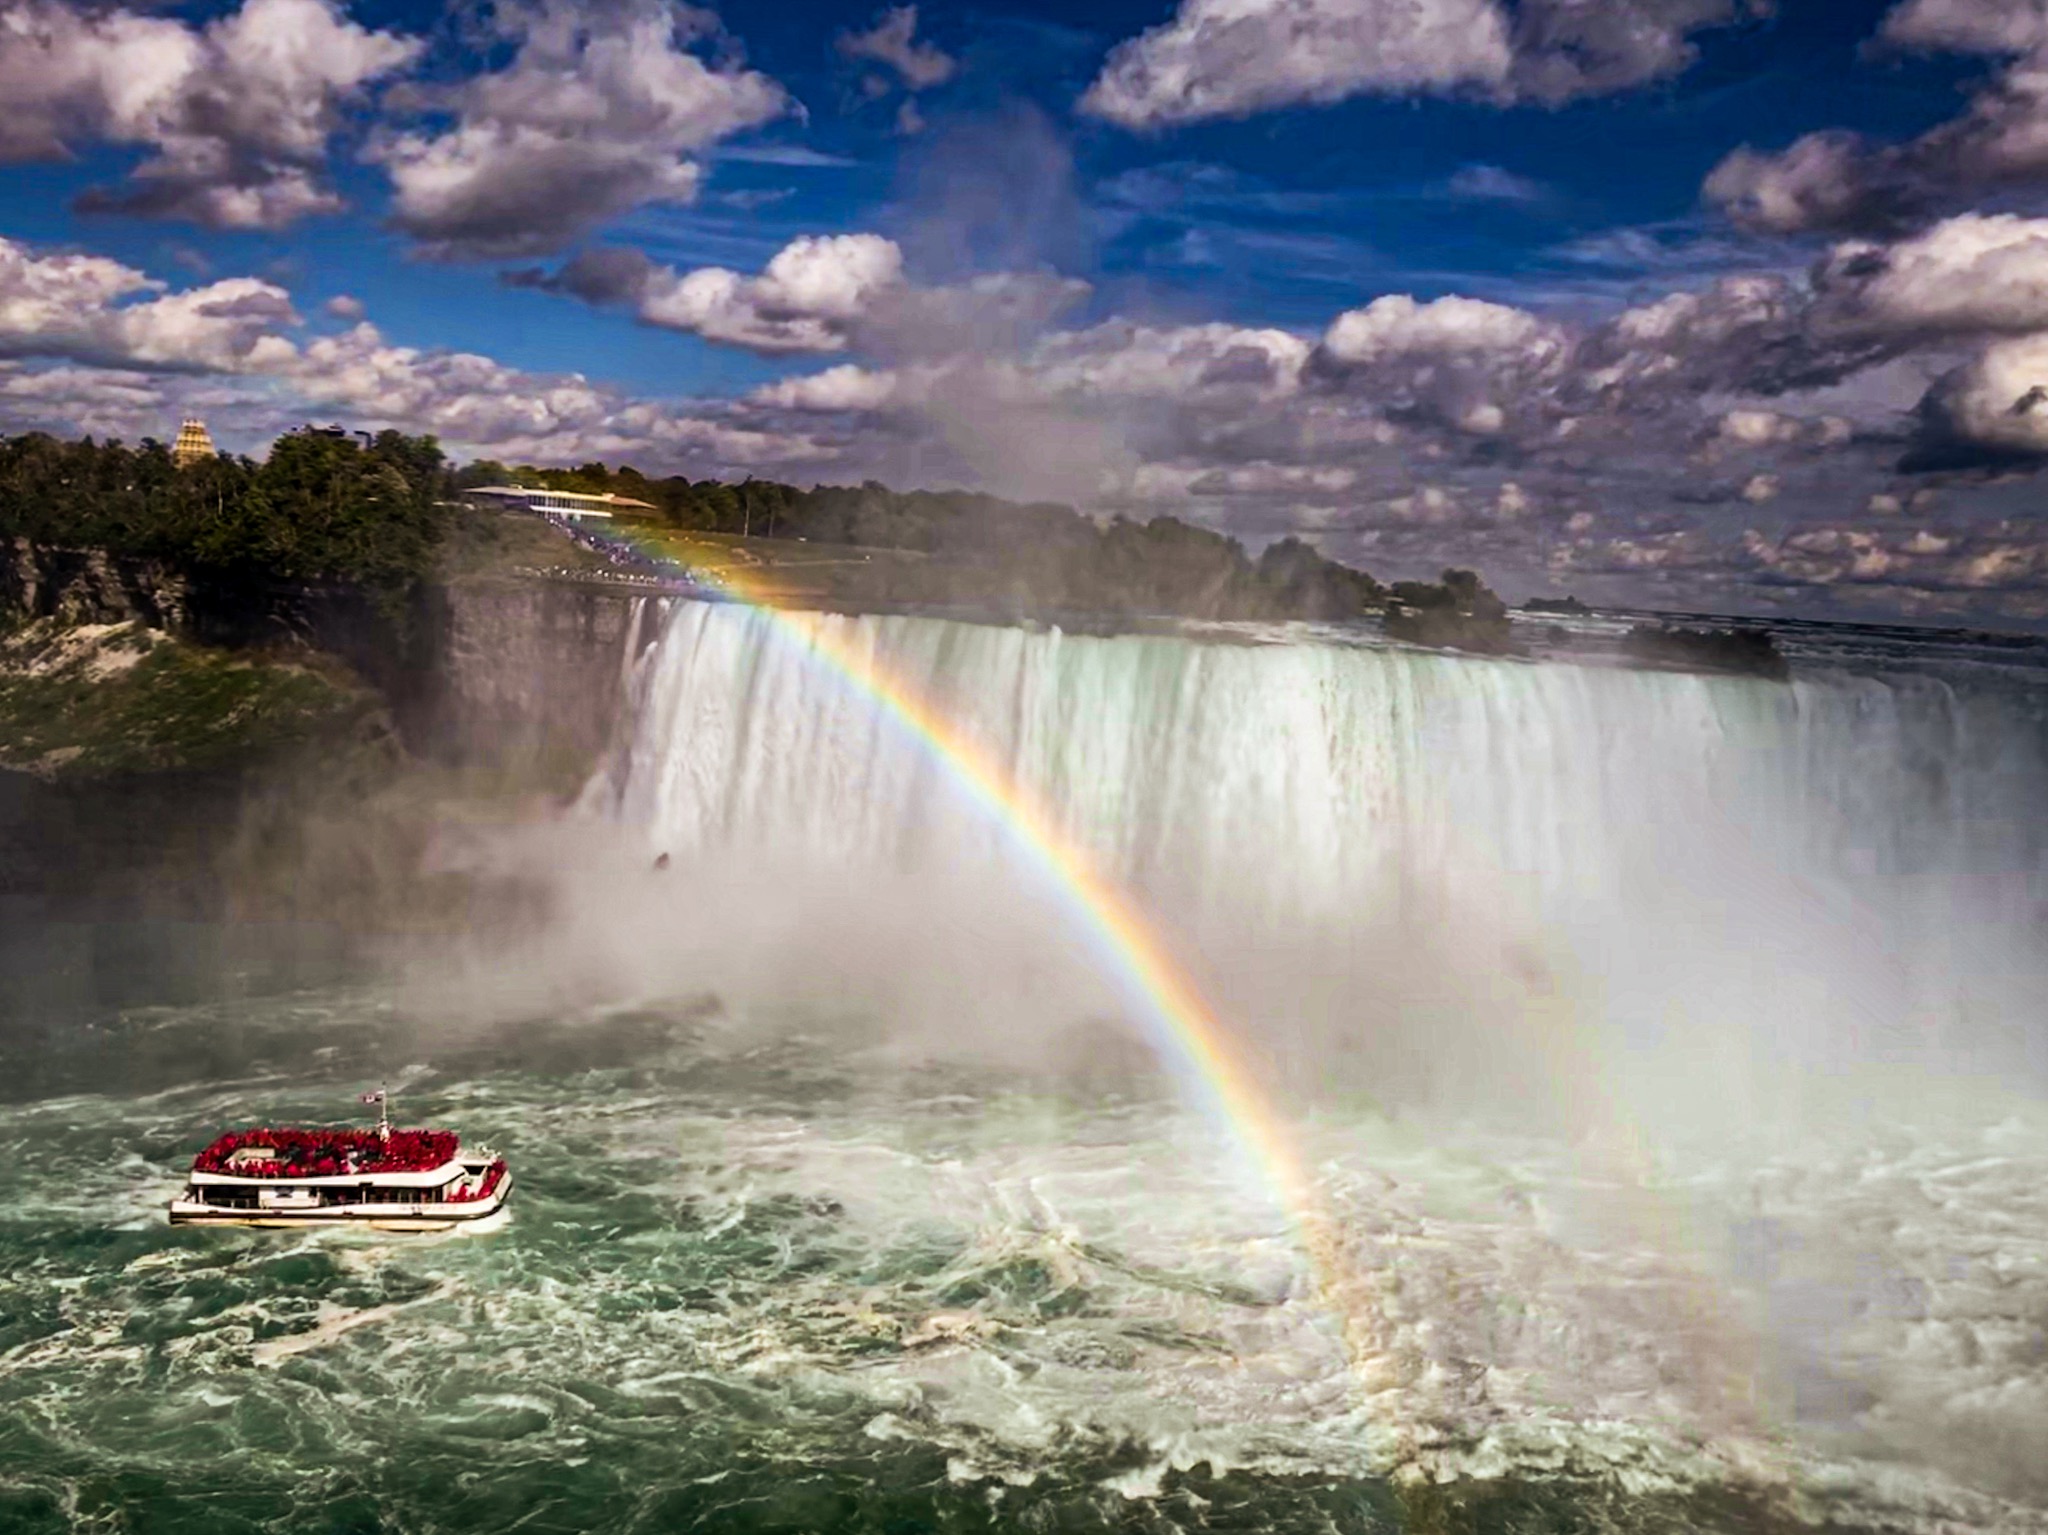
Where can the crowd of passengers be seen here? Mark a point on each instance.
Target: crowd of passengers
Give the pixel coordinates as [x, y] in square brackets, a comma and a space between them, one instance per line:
[327, 1153]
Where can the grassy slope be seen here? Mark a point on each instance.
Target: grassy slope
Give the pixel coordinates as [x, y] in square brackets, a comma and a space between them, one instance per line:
[98, 700]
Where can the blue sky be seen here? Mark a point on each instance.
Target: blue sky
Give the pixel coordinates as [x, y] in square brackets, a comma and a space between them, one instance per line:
[1691, 302]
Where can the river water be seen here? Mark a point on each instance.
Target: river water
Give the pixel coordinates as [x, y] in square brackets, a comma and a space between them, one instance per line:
[1668, 1051]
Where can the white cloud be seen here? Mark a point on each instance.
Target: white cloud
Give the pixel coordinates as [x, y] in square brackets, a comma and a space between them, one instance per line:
[1732, 336]
[821, 293]
[1462, 361]
[807, 299]
[1968, 26]
[238, 115]
[1827, 180]
[92, 309]
[599, 112]
[66, 399]
[1396, 326]
[893, 41]
[1231, 58]
[1114, 362]
[1972, 273]
[1208, 362]
[1841, 182]
[845, 387]
[480, 405]
[1999, 399]
[1756, 428]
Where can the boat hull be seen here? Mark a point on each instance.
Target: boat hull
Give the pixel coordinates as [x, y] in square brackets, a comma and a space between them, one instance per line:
[383, 1216]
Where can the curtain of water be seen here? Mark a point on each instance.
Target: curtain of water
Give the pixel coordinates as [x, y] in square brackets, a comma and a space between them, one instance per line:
[1356, 843]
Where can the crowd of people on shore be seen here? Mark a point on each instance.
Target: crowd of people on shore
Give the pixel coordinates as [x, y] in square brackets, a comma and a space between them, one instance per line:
[621, 554]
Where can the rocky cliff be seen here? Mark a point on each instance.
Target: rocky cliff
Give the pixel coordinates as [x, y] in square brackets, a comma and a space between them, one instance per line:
[515, 675]
[524, 678]
[88, 586]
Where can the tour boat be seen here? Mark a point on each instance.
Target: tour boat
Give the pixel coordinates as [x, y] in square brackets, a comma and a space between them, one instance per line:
[392, 1180]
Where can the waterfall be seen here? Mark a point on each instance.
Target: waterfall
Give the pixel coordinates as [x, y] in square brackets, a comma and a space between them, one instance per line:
[1397, 857]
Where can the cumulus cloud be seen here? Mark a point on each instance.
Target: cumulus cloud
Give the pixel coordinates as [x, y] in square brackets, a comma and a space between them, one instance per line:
[237, 116]
[1232, 58]
[1972, 274]
[1751, 333]
[92, 309]
[807, 299]
[1843, 183]
[478, 404]
[66, 399]
[1462, 361]
[847, 387]
[1997, 402]
[1968, 26]
[893, 41]
[1832, 180]
[819, 293]
[1758, 428]
[599, 112]
[1995, 557]
[1116, 362]
[1397, 326]
[1212, 363]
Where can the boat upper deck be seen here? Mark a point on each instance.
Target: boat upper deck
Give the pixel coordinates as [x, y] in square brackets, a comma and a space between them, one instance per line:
[270, 1155]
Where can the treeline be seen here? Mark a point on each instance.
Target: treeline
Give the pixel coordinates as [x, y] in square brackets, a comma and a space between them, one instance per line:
[322, 508]
[373, 512]
[1039, 557]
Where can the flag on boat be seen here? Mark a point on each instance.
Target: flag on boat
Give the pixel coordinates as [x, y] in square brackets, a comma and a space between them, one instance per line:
[376, 1097]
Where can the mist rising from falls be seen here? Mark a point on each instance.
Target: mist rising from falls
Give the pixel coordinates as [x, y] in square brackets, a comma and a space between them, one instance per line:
[1489, 884]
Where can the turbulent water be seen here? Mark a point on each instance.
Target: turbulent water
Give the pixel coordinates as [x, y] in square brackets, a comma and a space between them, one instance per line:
[1668, 1048]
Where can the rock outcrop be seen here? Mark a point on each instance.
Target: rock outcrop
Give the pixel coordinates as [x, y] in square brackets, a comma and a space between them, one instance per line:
[88, 586]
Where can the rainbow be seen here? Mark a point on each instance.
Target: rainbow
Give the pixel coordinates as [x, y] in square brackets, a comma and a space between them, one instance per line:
[1188, 1031]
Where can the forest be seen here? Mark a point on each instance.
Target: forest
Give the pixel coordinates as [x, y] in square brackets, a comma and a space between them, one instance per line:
[323, 507]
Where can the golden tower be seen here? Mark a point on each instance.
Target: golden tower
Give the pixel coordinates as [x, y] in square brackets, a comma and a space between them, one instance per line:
[193, 444]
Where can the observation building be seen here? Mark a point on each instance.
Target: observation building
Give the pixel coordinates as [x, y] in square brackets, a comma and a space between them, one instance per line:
[559, 503]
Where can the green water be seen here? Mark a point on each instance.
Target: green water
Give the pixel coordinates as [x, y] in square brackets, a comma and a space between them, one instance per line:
[775, 1280]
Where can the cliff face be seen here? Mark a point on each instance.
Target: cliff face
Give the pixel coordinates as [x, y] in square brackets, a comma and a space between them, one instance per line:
[88, 586]
[516, 676]
[526, 678]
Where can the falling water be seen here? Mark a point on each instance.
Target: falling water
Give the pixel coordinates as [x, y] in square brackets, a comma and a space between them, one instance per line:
[1346, 839]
